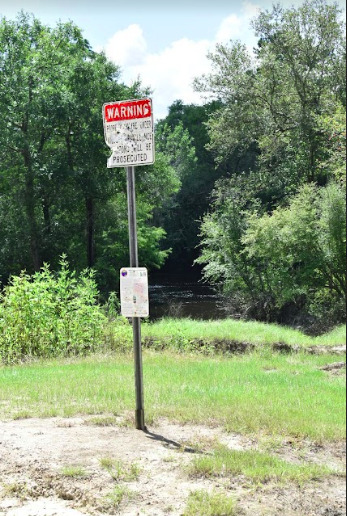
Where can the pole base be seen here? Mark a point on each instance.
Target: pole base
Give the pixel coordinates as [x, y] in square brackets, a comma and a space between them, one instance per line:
[140, 420]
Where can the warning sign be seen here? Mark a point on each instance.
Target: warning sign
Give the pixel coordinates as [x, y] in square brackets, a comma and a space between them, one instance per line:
[134, 292]
[129, 132]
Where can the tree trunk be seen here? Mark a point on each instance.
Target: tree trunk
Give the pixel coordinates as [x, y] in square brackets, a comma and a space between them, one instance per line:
[29, 193]
[33, 229]
[90, 231]
[46, 217]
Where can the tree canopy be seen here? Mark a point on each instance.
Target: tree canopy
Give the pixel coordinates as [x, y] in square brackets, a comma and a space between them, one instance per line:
[57, 194]
[267, 240]
[249, 186]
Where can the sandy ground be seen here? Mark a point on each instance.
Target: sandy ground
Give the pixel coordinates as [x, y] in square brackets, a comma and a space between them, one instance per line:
[34, 453]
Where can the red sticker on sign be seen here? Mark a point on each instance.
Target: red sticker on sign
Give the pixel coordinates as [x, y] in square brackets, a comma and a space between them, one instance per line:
[131, 110]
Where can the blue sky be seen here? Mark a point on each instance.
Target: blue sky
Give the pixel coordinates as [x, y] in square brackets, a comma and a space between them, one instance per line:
[165, 43]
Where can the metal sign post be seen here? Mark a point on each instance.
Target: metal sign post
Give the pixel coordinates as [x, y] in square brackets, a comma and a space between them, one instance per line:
[129, 132]
[134, 262]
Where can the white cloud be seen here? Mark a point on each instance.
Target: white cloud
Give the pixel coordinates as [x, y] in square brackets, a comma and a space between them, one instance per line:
[171, 72]
[127, 47]
[251, 10]
[238, 26]
[230, 28]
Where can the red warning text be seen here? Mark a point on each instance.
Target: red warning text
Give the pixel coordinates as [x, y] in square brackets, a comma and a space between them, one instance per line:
[129, 110]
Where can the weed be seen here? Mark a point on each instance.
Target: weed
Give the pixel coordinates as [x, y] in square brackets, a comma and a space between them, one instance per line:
[19, 490]
[21, 414]
[47, 315]
[117, 496]
[106, 463]
[119, 470]
[74, 472]
[201, 503]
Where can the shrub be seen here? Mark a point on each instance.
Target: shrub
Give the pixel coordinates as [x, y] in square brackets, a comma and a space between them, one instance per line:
[49, 315]
[300, 251]
[281, 265]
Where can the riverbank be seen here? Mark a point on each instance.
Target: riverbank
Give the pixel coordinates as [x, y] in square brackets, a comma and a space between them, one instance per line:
[228, 336]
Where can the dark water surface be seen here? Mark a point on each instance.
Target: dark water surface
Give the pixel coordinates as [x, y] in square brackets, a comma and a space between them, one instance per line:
[182, 296]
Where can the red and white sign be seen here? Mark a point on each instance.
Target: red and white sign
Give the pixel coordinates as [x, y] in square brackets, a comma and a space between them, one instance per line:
[129, 132]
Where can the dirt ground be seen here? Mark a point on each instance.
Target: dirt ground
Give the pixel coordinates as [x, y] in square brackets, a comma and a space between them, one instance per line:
[58, 467]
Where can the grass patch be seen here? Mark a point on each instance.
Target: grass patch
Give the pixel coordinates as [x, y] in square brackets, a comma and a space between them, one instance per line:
[258, 392]
[74, 472]
[119, 470]
[258, 466]
[16, 489]
[201, 503]
[187, 333]
[119, 494]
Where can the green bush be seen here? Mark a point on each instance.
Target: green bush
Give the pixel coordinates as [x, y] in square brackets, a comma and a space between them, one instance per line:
[276, 266]
[50, 315]
[300, 251]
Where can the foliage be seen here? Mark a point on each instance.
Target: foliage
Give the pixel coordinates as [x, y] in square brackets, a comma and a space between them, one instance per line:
[186, 335]
[50, 315]
[177, 144]
[56, 193]
[274, 99]
[274, 240]
[296, 255]
[333, 126]
[183, 135]
[112, 239]
[273, 124]
[300, 250]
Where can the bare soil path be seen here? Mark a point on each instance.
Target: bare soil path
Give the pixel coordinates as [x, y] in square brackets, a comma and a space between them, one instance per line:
[58, 467]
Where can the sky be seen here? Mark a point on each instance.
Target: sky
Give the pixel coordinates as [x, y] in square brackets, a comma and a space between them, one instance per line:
[164, 43]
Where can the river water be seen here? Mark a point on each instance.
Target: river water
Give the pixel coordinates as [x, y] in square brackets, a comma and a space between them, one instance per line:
[181, 296]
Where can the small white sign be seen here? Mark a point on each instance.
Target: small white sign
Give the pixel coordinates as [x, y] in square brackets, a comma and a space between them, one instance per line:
[129, 132]
[134, 292]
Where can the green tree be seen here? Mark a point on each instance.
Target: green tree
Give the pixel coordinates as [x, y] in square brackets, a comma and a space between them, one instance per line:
[293, 259]
[33, 62]
[273, 101]
[299, 252]
[175, 215]
[184, 137]
[274, 235]
[54, 183]
[155, 185]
